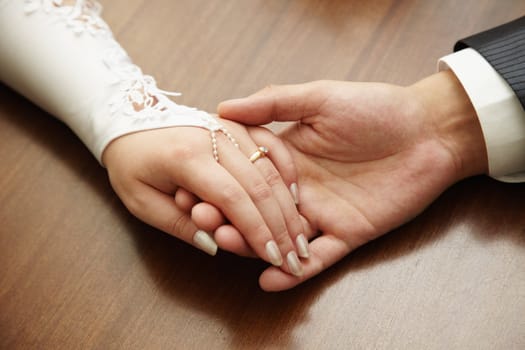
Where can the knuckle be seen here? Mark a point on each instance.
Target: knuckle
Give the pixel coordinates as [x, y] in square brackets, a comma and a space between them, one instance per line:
[179, 225]
[261, 232]
[296, 224]
[282, 238]
[231, 194]
[260, 191]
[272, 177]
[183, 152]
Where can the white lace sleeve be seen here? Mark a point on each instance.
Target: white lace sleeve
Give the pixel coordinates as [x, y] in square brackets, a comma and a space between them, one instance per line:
[61, 55]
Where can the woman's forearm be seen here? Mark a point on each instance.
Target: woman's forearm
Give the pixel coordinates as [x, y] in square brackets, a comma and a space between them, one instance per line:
[62, 56]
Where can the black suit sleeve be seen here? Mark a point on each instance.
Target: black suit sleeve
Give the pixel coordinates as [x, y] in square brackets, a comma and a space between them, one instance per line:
[504, 48]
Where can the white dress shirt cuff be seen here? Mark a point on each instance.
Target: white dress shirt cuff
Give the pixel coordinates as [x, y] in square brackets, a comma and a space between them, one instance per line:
[500, 113]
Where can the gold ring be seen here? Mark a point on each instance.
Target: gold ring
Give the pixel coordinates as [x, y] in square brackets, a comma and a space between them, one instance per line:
[260, 153]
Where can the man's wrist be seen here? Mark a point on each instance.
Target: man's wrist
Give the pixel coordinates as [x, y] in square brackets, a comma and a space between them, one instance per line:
[453, 119]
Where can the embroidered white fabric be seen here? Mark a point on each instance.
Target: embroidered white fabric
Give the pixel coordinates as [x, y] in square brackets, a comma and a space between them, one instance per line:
[61, 55]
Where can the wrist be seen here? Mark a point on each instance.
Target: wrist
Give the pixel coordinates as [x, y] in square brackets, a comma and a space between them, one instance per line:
[453, 120]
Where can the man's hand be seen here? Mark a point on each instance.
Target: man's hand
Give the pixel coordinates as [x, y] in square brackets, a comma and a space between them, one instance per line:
[370, 157]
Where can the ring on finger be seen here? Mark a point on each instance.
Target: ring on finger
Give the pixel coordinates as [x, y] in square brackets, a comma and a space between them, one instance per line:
[260, 153]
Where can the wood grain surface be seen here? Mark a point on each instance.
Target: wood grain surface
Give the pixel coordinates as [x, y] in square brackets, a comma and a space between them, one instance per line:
[78, 271]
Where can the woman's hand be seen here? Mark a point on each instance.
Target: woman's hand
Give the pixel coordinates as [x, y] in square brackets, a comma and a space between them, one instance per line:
[146, 169]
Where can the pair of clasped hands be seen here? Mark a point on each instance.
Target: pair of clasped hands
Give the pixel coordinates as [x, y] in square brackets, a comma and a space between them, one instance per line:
[361, 159]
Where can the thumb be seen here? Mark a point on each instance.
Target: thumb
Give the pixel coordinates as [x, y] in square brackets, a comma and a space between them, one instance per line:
[276, 103]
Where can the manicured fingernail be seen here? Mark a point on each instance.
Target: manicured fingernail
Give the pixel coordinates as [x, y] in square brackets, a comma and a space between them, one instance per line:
[295, 265]
[205, 242]
[273, 253]
[302, 246]
[295, 193]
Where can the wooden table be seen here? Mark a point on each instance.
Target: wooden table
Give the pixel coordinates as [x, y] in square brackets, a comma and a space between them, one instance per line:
[78, 271]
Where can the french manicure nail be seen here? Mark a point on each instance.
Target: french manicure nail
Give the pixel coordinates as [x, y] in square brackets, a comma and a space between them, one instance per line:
[205, 242]
[295, 265]
[273, 253]
[295, 193]
[302, 246]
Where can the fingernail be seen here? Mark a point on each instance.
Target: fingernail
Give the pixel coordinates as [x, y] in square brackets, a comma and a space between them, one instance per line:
[273, 253]
[205, 242]
[295, 265]
[295, 194]
[302, 246]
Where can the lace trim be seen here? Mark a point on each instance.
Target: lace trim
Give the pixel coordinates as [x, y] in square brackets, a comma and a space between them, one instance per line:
[139, 97]
[79, 15]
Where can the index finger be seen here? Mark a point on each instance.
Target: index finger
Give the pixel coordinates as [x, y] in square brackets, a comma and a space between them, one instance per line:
[219, 188]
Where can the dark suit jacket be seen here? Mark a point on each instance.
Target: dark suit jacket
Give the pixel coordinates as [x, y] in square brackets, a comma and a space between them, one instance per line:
[504, 48]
